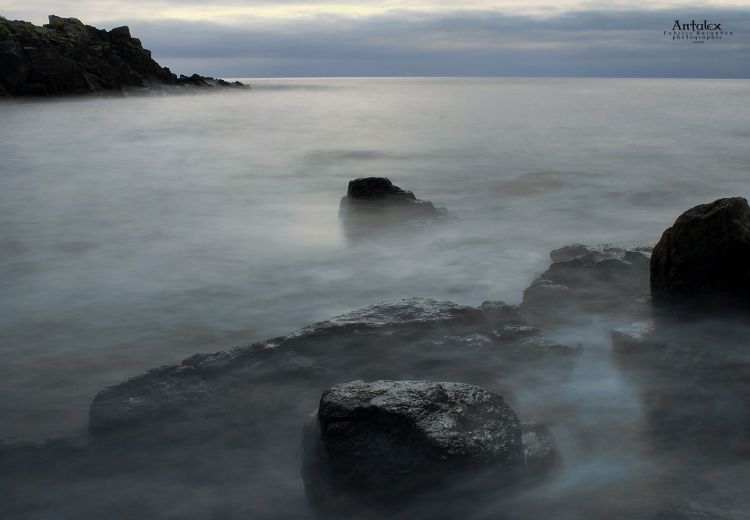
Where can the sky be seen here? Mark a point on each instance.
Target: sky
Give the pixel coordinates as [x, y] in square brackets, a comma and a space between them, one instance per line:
[309, 38]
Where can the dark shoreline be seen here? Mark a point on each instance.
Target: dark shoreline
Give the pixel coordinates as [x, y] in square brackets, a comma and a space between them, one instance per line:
[66, 57]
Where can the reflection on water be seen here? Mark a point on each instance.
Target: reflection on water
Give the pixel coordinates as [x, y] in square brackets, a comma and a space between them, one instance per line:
[136, 231]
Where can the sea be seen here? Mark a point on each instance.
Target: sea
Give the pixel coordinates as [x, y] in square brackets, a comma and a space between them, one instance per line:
[140, 229]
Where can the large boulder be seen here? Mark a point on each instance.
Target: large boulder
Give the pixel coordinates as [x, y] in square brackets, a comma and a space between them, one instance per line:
[704, 258]
[376, 204]
[387, 445]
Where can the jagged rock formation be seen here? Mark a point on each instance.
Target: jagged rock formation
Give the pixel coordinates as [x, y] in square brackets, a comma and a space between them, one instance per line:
[68, 57]
[589, 280]
[703, 260]
[387, 445]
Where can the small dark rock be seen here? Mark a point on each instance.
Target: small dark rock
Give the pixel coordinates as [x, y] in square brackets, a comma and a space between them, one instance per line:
[375, 204]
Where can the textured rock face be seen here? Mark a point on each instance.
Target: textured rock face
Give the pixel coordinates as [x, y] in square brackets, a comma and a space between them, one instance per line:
[68, 57]
[589, 280]
[704, 257]
[375, 204]
[385, 443]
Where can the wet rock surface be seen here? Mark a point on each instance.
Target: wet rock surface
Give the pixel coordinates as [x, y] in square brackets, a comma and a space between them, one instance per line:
[376, 205]
[69, 57]
[584, 280]
[703, 260]
[388, 445]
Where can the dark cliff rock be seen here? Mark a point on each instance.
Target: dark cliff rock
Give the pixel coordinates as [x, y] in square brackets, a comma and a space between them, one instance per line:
[388, 445]
[375, 204]
[703, 260]
[68, 57]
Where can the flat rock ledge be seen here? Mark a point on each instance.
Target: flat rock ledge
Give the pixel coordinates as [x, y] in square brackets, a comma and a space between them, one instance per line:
[401, 339]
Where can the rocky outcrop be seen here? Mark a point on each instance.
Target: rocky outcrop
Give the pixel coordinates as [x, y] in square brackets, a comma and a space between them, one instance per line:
[387, 445]
[68, 57]
[375, 204]
[703, 260]
[589, 280]
[402, 339]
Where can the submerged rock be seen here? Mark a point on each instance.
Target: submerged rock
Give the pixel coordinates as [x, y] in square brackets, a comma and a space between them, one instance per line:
[587, 280]
[387, 445]
[69, 57]
[703, 260]
[402, 339]
[375, 204]
[694, 381]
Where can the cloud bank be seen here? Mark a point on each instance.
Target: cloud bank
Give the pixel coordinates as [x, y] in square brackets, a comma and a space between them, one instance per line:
[612, 42]
[590, 43]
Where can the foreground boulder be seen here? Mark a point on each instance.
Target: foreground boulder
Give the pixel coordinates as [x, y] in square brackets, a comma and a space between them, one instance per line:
[69, 57]
[374, 203]
[704, 258]
[388, 445]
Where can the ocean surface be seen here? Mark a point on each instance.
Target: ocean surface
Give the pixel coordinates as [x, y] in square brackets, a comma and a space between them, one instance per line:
[136, 231]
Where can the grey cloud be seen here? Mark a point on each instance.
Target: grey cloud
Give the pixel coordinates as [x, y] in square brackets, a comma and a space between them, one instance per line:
[464, 43]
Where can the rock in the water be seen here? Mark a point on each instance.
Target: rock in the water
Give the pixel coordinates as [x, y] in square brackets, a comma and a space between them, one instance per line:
[539, 449]
[69, 57]
[585, 280]
[409, 338]
[694, 380]
[375, 204]
[386, 444]
[704, 258]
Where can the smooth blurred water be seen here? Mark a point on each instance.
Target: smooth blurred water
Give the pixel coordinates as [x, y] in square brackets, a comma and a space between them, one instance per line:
[138, 230]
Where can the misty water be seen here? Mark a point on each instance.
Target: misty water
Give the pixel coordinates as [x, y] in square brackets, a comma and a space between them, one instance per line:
[139, 230]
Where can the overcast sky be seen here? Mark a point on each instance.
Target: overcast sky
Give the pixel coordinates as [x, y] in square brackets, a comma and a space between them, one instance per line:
[278, 38]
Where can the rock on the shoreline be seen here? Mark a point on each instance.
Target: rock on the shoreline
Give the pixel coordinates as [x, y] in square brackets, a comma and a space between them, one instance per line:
[704, 258]
[69, 57]
[585, 280]
[385, 444]
[375, 203]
